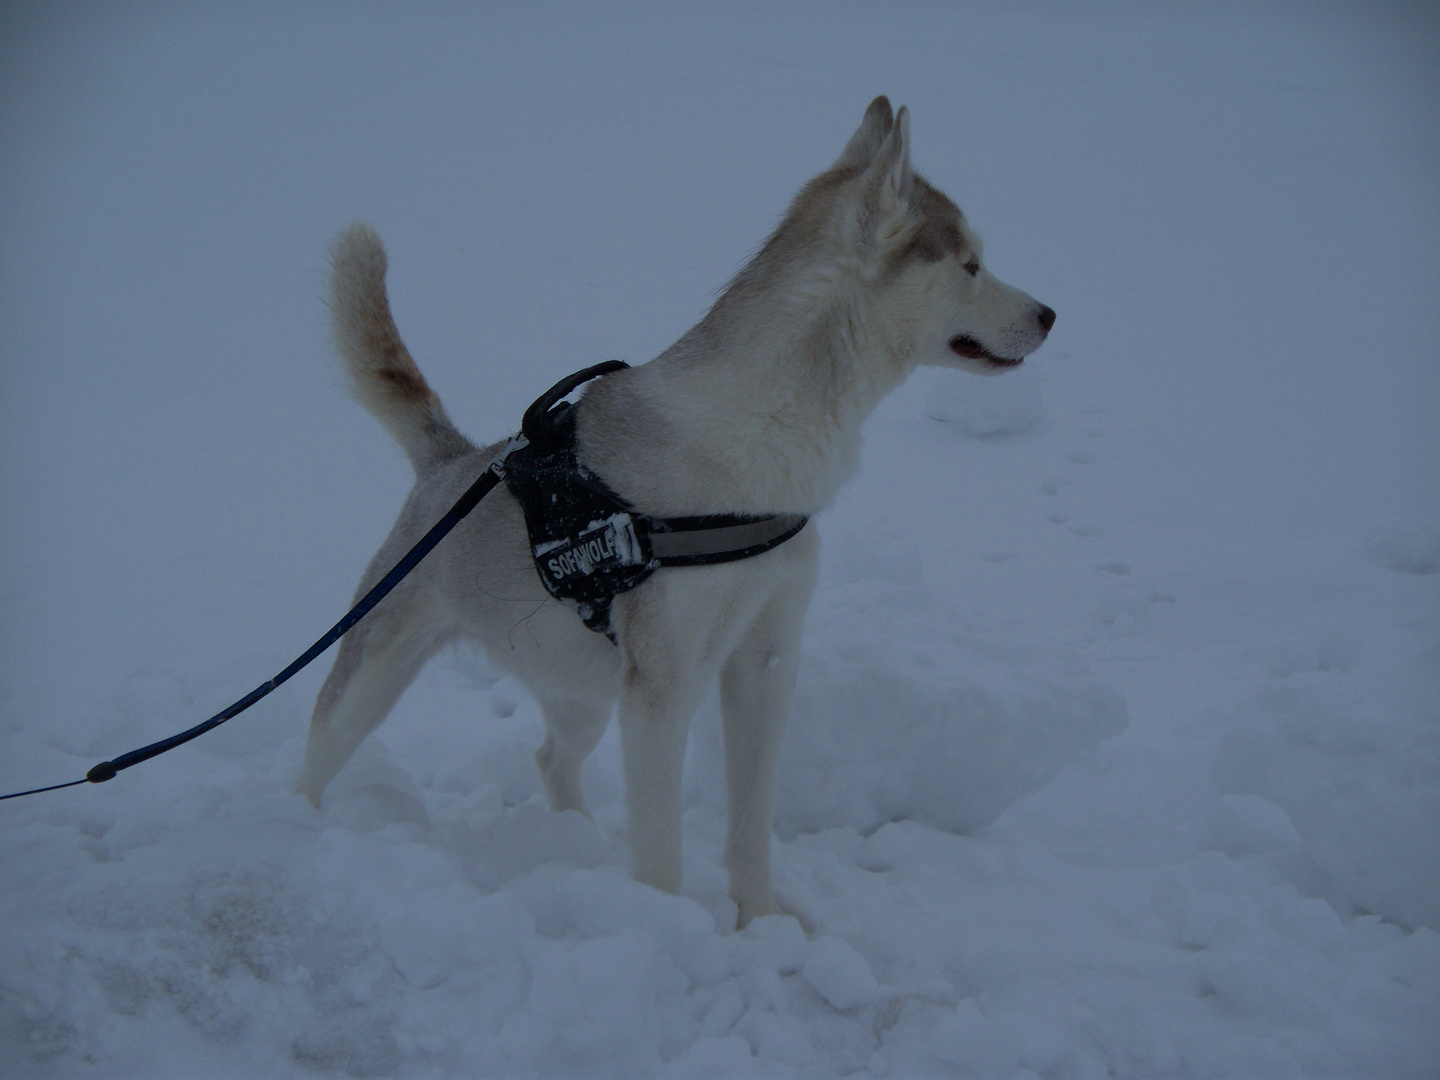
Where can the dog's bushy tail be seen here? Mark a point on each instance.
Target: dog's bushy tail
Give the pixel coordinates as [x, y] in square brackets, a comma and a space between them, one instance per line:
[383, 375]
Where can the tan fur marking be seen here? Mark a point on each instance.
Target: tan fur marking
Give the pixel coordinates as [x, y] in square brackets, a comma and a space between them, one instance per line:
[407, 386]
[385, 378]
[938, 231]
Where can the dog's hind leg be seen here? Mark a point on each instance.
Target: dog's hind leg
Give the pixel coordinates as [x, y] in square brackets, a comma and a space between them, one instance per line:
[378, 659]
[757, 685]
[572, 728]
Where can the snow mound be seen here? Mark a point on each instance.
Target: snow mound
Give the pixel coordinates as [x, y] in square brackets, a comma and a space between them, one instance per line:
[899, 713]
[1408, 551]
[976, 1045]
[1356, 765]
[1001, 407]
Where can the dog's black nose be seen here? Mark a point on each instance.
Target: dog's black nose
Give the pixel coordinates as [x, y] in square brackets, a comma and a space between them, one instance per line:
[1046, 317]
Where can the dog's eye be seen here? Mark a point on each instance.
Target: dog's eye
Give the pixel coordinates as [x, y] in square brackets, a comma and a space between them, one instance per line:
[972, 267]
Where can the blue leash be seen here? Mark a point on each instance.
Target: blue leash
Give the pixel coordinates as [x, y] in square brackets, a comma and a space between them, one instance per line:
[106, 770]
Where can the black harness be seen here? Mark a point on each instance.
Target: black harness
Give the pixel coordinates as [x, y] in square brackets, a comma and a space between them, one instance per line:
[589, 544]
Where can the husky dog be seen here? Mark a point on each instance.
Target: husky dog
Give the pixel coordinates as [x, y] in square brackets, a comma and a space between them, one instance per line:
[756, 410]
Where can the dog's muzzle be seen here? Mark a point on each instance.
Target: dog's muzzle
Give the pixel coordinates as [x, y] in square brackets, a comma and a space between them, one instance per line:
[966, 346]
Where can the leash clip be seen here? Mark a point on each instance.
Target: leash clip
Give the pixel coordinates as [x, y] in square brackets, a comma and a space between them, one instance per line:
[518, 441]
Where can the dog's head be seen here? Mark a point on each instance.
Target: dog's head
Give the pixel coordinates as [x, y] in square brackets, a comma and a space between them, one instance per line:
[915, 252]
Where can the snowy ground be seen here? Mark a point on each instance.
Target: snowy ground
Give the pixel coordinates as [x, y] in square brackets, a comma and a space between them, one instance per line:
[1117, 744]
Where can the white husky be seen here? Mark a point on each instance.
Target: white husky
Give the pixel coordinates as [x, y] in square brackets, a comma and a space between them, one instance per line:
[757, 410]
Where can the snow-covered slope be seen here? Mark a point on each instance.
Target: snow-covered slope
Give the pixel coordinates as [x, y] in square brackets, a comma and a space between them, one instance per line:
[1116, 750]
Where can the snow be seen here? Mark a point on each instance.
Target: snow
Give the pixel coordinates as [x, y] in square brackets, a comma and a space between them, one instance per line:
[1116, 749]
[839, 974]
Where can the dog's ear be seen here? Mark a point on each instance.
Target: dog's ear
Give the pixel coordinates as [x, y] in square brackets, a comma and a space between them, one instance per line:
[861, 148]
[886, 186]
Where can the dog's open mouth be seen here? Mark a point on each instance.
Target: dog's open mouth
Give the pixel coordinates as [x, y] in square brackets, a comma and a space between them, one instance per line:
[966, 346]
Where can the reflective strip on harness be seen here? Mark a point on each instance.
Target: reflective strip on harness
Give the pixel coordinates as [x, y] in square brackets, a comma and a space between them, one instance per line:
[682, 546]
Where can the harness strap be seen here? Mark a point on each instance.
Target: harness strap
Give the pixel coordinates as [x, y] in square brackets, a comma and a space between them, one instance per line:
[676, 542]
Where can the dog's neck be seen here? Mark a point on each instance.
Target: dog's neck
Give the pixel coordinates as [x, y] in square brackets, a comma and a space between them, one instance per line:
[758, 409]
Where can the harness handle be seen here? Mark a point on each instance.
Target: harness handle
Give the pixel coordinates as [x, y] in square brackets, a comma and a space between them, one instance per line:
[543, 409]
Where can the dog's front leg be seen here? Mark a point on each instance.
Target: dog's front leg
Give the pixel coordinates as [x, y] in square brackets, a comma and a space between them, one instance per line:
[757, 686]
[656, 700]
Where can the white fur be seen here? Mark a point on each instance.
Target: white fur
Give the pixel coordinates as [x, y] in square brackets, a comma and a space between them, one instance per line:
[757, 409]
